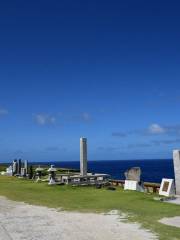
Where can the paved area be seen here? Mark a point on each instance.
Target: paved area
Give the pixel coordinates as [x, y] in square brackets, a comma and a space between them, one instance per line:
[174, 221]
[175, 201]
[19, 221]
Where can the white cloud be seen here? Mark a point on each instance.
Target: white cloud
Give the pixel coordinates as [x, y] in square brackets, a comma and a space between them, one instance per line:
[86, 117]
[3, 111]
[44, 119]
[156, 129]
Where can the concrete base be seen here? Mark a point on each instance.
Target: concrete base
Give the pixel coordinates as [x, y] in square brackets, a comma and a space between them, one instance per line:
[175, 201]
[38, 179]
[133, 185]
[52, 182]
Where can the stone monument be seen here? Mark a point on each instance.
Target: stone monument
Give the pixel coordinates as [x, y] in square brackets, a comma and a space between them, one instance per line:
[133, 180]
[15, 167]
[176, 161]
[167, 187]
[52, 175]
[83, 156]
[26, 166]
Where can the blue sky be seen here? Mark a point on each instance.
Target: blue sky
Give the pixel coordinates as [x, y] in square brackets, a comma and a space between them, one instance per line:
[105, 70]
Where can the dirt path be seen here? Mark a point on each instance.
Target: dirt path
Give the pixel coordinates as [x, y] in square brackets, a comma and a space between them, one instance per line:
[19, 221]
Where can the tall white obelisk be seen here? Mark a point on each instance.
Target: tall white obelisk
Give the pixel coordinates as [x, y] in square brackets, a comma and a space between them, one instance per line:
[176, 160]
[83, 156]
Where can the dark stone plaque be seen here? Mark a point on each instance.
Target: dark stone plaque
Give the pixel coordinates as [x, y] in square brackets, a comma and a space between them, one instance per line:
[165, 186]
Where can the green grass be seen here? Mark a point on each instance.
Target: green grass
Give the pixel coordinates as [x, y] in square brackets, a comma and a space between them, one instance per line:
[140, 207]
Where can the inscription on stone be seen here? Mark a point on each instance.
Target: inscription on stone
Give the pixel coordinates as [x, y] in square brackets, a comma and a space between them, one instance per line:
[165, 186]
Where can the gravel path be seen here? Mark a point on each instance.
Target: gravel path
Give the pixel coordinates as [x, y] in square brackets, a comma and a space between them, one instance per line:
[19, 221]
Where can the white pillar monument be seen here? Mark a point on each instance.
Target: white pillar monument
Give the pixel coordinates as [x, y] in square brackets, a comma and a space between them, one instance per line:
[176, 160]
[83, 156]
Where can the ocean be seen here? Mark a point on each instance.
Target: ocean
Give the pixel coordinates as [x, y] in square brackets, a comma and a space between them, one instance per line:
[152, 170]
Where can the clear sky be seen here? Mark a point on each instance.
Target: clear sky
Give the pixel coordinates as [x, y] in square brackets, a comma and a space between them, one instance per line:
[105, 70]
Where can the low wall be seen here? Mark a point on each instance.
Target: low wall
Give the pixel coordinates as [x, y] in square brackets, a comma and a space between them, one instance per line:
[149, 187]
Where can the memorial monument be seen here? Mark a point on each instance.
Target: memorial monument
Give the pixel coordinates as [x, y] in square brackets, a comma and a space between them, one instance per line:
[176, 161]
[52, 175]
[133, 180]
[84, 178]
[83, 156]
[167, 187]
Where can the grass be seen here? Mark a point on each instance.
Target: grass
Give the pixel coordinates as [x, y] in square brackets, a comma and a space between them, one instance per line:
[140, 207]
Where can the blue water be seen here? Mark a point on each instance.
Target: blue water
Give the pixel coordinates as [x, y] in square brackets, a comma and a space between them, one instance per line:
[152, 170]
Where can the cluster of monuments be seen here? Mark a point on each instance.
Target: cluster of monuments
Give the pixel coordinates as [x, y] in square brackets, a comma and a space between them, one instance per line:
[169, 187]
[20, 169]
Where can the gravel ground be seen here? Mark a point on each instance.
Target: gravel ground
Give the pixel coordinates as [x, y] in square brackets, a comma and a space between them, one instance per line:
[20, 221]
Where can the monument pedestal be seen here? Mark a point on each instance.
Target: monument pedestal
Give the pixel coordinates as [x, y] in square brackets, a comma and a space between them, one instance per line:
[52, 181]
[133, 185]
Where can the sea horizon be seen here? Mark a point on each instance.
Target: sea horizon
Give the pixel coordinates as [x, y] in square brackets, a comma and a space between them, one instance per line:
[99, 160]
[153, 170]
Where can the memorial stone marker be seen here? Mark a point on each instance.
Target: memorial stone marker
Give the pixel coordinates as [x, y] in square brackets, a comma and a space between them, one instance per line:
[167, 187]
[133, 178]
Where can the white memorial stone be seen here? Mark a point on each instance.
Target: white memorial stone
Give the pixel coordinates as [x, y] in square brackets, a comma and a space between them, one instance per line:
[176, 160]
[133, 185]
[167, 187]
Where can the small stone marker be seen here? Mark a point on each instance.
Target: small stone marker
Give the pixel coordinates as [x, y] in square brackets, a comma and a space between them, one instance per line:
[167, 187]
[133, 177]
[176, 161]
[52, 175]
